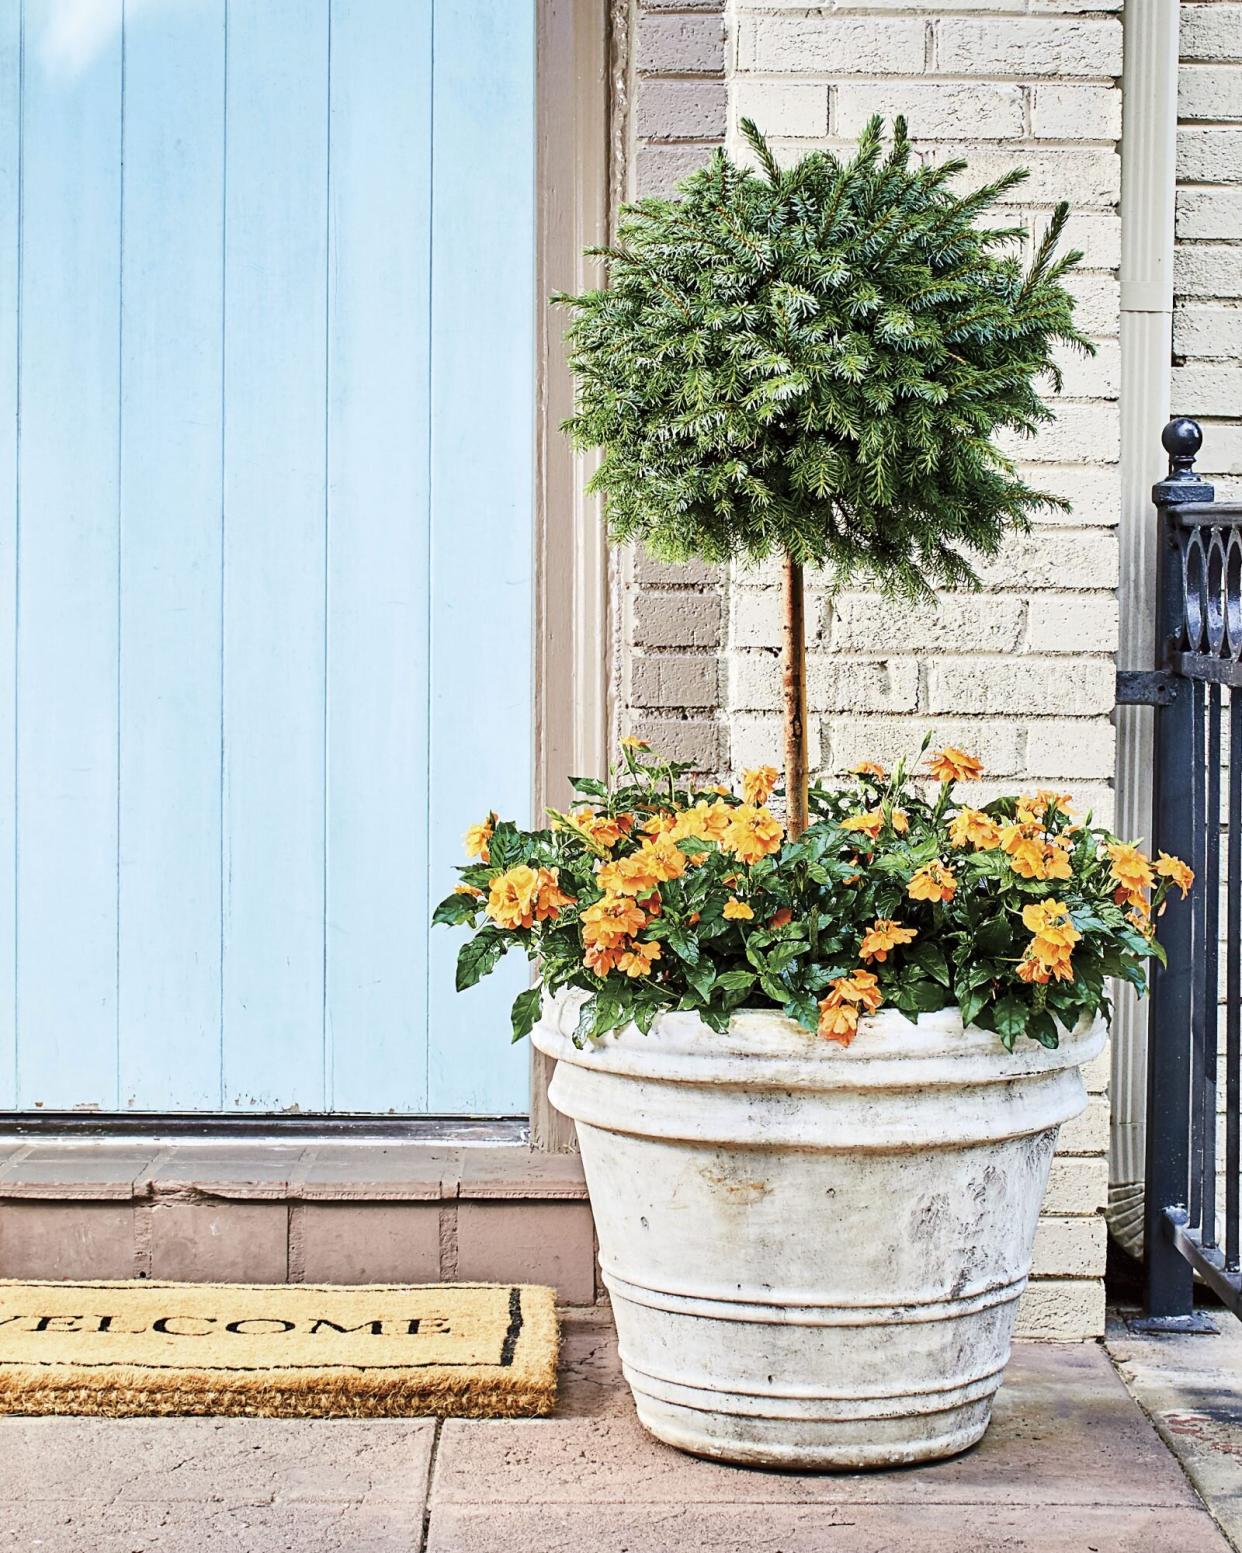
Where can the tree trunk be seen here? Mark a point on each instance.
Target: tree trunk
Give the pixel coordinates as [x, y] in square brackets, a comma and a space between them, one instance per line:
[793, 684]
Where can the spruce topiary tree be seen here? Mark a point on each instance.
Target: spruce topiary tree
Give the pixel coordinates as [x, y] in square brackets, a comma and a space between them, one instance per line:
[813, 362]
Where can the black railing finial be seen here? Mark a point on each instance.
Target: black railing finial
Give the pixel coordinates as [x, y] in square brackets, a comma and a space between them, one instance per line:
[1181, 440]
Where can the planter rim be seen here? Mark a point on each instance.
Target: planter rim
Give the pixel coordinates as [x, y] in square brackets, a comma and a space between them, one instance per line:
[762, 1048]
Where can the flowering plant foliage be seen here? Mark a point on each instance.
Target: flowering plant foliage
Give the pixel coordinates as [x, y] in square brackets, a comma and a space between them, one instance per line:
[654, 894]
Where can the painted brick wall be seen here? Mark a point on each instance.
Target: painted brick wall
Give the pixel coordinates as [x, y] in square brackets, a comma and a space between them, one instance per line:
[1207, 318]
[1021, 673]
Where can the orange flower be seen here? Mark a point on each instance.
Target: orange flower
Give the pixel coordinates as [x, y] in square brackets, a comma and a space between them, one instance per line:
[655, 862]
[752, 833]
[848, 997]
[780, 917]
[1173, 868]
[884, 934]
[1032, 856]
[637, 959]
[971, 827]
[477, 838]
[838, 1021]
[872, 823]
[523, 895]
[705, 822]
[467, 889]
[603, 828]
[1037, 810]
[657, 824]
[611, 920]
[1049, 950]
[934, 882]
[869, 768]
[757, 785]
[1131, 868]
[633, 742]
[737, 911]
[953, 765]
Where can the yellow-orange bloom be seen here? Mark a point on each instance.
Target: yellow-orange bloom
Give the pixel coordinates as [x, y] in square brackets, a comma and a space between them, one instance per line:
[705, 822]
[973, 828]
[603, 958]
[780, 917]
[523, 895]
[1054, 939]
[612, 919]
[757, 785]
[1036, 809]
[869, 824]
[1131, 868]
[638, 958]
[737, 911]
[633, 742]
[603, 828]
[660, 822]
[1172, 868]
[1032, 856]
[953, 765]
[883, 935]
[752, 833]
[869, 768]
[467, 889]
[934, 882]
[838, 1021]
[655, 862]
[477, 838]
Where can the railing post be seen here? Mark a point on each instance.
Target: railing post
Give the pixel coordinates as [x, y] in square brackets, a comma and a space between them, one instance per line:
[1169, 1291]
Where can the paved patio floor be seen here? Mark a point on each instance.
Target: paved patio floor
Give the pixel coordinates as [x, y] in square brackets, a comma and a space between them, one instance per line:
[1070, 1465]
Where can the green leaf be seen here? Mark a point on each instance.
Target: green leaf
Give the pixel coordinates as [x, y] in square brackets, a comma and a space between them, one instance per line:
[701, 977]
[995, 937]
[455, 909]
[1043, 1028]
[526, 1009]
[735, 981]
[589, 787]
[1011, 1014]
[973, 1001]
[682, 944]
[478, 957]
[930, 958]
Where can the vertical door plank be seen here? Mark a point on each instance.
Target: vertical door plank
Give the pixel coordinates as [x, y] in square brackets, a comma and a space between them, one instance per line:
[379, 194]
[171, 314]
[67, 560]
[482, 372]
[274, 578]
[10, 237]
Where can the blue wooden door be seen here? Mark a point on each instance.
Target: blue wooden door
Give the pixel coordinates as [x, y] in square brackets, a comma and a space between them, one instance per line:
[266, 301]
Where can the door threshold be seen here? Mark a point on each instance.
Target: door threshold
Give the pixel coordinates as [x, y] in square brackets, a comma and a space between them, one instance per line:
[302, 1127]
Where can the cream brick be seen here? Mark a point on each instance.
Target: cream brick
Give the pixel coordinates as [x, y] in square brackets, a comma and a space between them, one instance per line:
[783, 108]
[676, 620]
[1071, 749]
[1210, 32]
[1084, 175]
[675, 681]
[671, 574]
[833, 684]
[1210, 213]
[1090, 432]
[1207, 331]
[1019, 686]
[760, 741]
[1072, 622]
[998, 744]
[1097, 235]
[933, 108]
[660, 168]
[1091, 377]
[682, 110]
[1076, 1186]
[1069, 1248]
[1086, 1133]
[1222, 448]
[1209, 92]
[1057, 1311]
[1053, 558]
[1093, 491]
[832, 45]
[1076, 112]
[1028, 47]
[1211, 390]
[698, 740]
[862, 622]
[1097, 303]
[1209, 155]
[681, 45]
[1207, 270]
[757, 617]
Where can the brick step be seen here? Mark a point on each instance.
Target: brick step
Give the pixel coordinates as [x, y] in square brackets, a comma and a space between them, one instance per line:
[273, 1213]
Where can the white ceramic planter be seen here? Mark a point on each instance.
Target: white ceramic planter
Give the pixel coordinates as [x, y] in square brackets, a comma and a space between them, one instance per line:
[814, 1252]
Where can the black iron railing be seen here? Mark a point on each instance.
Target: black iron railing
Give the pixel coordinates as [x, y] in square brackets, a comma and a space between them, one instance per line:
[1192, 1189]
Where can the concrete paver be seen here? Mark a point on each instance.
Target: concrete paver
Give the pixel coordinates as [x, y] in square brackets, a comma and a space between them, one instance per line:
[1071, 1465]
[1191, 1388]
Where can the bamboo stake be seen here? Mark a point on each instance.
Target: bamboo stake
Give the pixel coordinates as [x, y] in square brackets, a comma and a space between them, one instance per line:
[793, 684]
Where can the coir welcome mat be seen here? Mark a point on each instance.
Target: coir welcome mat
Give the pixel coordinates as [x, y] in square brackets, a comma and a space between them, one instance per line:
[277, 1351]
